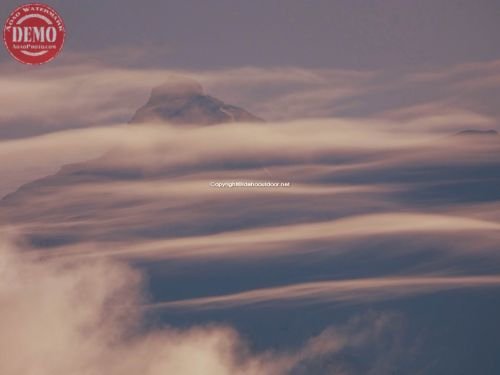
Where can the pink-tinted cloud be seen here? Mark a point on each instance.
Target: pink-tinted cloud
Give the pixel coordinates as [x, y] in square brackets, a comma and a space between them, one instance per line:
[83, 318]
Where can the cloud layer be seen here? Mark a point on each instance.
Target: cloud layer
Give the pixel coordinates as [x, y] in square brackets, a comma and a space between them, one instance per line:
[119, 225]
[85, 318]
[76, 94]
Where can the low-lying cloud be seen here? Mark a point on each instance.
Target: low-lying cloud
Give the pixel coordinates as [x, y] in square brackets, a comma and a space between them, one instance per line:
[85, 318]
[76, 95]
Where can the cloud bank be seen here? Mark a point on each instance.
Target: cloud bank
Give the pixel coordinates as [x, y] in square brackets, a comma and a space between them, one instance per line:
[85, 318]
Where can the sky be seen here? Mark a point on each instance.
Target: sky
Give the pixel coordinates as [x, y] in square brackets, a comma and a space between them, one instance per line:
[347, 34]
[125, 250]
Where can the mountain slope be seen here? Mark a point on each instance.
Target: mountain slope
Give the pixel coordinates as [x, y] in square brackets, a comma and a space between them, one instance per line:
[183, 101]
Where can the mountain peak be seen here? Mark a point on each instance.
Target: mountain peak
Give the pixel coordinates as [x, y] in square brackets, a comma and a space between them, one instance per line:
[182, 100]
[177, 86]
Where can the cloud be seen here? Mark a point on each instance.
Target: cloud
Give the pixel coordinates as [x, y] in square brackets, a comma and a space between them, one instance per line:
[156, 146]
[384, 204]
[274, 241]
[75, 95]
[340, 141]
[85, 318]
[149, 186]
[83, 95]
[337, 291]
[460, 72]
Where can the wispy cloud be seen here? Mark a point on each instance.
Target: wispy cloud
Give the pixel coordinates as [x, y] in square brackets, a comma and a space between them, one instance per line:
[43, 332]
[338, 291]
[93, 94]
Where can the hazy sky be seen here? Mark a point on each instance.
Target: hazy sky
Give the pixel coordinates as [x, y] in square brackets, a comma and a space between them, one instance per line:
[322, 33]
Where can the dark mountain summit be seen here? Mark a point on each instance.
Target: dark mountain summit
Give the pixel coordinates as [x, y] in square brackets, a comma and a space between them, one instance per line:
[180, 101]
[183, 101]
